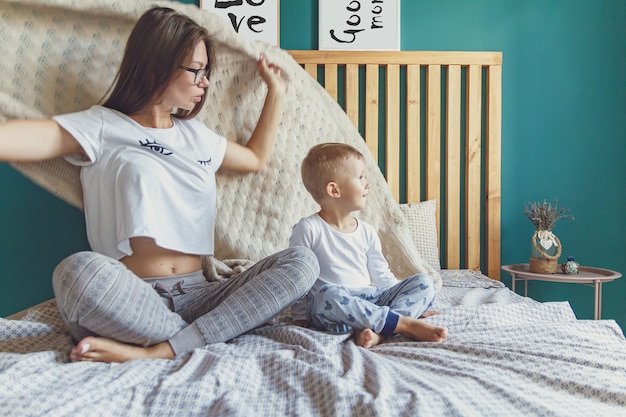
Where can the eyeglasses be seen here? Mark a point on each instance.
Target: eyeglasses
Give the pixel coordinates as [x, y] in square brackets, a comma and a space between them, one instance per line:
[199, 74]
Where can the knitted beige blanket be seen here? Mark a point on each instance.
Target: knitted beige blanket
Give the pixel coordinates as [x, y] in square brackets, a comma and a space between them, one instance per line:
[59, 56]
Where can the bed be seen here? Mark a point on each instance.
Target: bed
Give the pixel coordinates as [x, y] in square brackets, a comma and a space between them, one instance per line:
[429, 123]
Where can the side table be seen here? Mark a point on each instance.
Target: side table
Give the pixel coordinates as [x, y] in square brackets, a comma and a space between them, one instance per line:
[586, 275]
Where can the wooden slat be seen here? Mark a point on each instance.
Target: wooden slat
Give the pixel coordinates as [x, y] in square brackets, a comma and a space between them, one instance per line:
[312, 70]
[433, 138]
[398, 57]
[352, 93]
[473, 165]
[371, 109]
[453, 168]
[493, 149]
[413, 147]
[330, 80]
[392, 146]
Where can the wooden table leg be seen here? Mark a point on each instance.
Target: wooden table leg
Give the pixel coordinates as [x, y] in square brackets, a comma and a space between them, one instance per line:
[597, 304]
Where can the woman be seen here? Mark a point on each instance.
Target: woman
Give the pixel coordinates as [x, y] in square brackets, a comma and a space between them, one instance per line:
[148, 178]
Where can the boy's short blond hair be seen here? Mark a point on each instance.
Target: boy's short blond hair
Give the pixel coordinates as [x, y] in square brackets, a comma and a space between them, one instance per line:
[321, 165]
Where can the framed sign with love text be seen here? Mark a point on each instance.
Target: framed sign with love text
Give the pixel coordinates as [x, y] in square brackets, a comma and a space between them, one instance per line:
[359, 24]
[255, 19]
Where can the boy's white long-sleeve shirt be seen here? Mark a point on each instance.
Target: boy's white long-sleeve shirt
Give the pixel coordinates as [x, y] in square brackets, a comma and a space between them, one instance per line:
[353, 259]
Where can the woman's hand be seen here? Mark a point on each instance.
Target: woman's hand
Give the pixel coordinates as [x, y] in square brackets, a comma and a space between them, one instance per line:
[271, 74]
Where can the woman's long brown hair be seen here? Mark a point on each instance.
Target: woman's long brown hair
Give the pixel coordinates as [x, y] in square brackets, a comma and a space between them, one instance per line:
[160, 42]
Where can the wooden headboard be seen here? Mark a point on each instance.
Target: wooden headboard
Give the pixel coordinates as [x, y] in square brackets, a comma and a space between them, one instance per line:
[432, 120]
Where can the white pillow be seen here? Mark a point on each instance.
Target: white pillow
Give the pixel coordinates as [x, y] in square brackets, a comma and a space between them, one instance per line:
[423, 229]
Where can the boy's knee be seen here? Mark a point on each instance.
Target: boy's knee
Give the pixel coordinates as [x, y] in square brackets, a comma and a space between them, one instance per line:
[424, 284]
[428, 286]
[422, 279]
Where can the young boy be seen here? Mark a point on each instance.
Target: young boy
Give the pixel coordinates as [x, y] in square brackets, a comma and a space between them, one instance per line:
[355, 289]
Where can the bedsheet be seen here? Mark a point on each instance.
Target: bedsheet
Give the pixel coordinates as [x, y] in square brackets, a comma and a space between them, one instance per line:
[506, 355]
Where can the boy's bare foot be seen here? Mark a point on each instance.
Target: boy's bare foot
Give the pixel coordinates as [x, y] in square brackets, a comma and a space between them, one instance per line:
[420, 330]
[101, 349]
[428, 314]
[367, 338]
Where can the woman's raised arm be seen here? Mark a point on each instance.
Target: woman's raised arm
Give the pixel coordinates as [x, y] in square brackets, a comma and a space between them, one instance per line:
[35, 140]
[253, 156]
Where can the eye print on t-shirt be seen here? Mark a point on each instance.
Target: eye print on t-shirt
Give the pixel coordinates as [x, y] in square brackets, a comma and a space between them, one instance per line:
[155, 146]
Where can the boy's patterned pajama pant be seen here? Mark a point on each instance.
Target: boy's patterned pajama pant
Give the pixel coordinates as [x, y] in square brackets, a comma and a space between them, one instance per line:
[336, 308]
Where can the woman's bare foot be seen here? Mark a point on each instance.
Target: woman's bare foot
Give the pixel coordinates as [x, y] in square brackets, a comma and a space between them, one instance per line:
[367, 338]
[420, 330]
[101, 349]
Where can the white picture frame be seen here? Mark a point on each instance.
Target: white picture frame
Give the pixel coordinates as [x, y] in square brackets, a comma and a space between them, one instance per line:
[254, 19]
[359, 25]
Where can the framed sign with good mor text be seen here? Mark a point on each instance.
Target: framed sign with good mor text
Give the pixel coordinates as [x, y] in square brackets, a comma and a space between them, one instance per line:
[359, 24]
[255, 19]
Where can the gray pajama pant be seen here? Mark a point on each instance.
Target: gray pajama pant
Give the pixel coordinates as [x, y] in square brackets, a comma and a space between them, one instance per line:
[98, 295]
[339, 309]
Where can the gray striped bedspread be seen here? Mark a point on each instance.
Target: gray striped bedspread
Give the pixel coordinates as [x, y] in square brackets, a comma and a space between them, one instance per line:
[506, 355]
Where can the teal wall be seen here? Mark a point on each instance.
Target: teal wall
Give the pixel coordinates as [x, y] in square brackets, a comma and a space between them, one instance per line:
[563, 137]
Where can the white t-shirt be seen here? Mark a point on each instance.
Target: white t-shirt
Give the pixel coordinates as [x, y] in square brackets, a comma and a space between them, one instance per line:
[354, 260]
[140, 181]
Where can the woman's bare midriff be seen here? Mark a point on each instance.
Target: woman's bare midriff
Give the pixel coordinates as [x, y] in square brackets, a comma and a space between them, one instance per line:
[149, 260]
